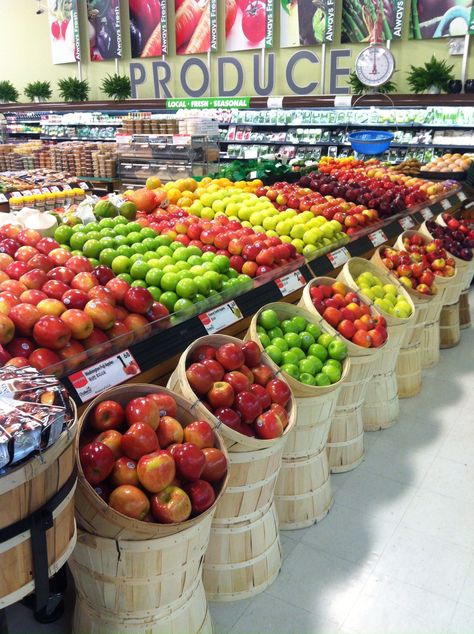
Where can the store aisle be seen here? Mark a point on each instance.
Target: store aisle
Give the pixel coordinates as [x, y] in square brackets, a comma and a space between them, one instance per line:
[396, 553]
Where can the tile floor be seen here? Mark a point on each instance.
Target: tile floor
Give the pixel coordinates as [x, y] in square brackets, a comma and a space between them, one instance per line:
[396, 553]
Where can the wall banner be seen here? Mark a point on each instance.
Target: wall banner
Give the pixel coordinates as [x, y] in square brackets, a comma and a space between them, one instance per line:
[306, 23]
[372, 20]
[64, 31]
[444, 18]
[249, 24]
[105, 34]
[195, 26]
[148, 28]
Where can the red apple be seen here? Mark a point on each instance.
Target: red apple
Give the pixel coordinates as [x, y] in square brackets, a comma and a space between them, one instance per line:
[59, 256]
[103, 274]
[190, 461]
[34, 279]
[51, 332]
[24, 316]
[216, 370]
[80, 324]
[268, 426]
[101, 313]
[55, 289]
[201, 494]
[118, 287]
[7, 329]
[238, 381]
[112, 438]
[84, 281]
[79, 264]
[97, 461]
[139, 440]
[262, 374]
[4, 356]
[220, 395]
[61, 273]
[171, 505]
[230, 356]
[281, 413]
[248, 405]
[143, 410]
[21, 347]
[138, 300]
[46, 245]
[215, 467]
[166, 403]
[362, 338]
[131, 501]
[97, 340]
[74, 298]
[50, 306]
[32, 296]
[279, 391]
[29, 237]
[107, 415]
[203, 352]
[124, 472]
[169, 431]
[252, 354]
[199, 378]
[156, 471]
[200, 433]
[261, 393]
[346, 328]
[18, 362]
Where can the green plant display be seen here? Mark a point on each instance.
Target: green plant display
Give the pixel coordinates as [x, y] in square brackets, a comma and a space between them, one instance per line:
[433, 74]
[117, 87]
[8, 92]
[72, 89]
[358, 88]
[39, 89]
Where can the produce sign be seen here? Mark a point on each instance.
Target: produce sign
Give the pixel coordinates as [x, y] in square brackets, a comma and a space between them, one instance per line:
[64, 31]
[105, 35]
[195, 26]
[372, 20]
[306, 23]
[446, 18]
[148, 28]
[249, 24]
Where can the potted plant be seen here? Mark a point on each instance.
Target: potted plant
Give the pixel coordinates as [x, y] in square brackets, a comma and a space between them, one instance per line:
[8, 92]
[38, 91]
[72, 89]
[117, 87]
[433, 77]
[358, 88]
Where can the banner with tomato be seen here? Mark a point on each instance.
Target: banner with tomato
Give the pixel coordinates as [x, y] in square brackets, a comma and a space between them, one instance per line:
[443, 18]
[306, 22]
[148, 28]
[105, 35]
[248, 24]
[64, 31]
[195, 26]
[372, 20]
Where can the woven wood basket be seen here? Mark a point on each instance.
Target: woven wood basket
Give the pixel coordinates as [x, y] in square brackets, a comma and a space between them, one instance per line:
[23, 491]
[449, 328]
[464, 311]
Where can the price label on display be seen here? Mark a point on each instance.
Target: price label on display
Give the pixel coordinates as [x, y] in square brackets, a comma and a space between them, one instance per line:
[343, 101]
[275, 102]
[15, 195]
[55, 189]
[339, 257]
[3, 198]
[221, 317]
[36, 191]
[45, 190]
[290, 283]
[462, 196]
[445, 204]
[426, 213]
[84, 185]
[406, 223]
[377, 237]
[101, 376]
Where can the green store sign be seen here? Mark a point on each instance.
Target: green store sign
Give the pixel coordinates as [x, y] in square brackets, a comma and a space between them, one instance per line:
[211, 102]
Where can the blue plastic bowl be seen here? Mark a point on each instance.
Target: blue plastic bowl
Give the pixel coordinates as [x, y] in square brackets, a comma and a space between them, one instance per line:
[370, 141]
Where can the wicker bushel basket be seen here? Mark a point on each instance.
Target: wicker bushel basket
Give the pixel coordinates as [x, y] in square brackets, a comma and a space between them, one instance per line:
[305, 458]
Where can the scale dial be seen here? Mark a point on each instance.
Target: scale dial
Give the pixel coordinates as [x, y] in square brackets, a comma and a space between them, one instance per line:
[374, 65]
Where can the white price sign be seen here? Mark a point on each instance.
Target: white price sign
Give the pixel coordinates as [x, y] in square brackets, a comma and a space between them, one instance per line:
[275, 102]
[16, 195]
[426, 213]
[221, 317]
[406, 223]
[101, 376]
[343, 101]
[3, 198]
[339, 257]
[45, 190]
[290, 283]
[377, 237]
[445, 204]
[55, 189]
[36, 191]
[84, 185]
[462, 196]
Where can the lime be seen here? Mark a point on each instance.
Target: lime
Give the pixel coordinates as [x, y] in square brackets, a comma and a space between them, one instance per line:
[139, 270]
[291, 369]
[208, 256]
[164, 260]
[181, 254]
[136, 257]
[121, 230]
[268, 319]
[154, 276]
[292, 339]
[106, 223]
[169, 282]
[107, 233]
[118, 220]
[322, 379]
[182, 265]
[195, 260]
[107, 256]
[274, 353]
[149, 244]
[280, 342]
[317, 350]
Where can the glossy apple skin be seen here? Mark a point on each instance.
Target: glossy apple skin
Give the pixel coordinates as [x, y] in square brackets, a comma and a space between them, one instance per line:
[143, 410]
[190, 461]
[215, 467]
[171, 505]
[156, 471]
[200, 433]
[97, 461]
[201, 494]
[130, 500]
[139, 440]
[107, 415]
[170, 431]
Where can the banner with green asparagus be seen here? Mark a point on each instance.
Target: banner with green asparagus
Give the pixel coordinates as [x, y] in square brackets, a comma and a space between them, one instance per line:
[306, 22]
[443, 18]
[372, 20]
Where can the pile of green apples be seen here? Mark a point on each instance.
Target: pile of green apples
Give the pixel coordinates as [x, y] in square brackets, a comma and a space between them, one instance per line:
[385, 296]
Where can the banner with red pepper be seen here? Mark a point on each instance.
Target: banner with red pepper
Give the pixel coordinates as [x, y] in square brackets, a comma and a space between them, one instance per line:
[195, 26]
[443, 18]
[105, 35]
[248, 24]
[372, 20]
[148, 28]
[64, 31]
[306, 22]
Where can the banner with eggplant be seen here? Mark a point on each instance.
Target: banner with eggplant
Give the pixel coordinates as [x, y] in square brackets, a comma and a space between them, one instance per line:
[195, 26]
[148, 28]
[441, 18]
[64, 31]
[249, 24]
[372, 20]
[105, 34]
[306, 22]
